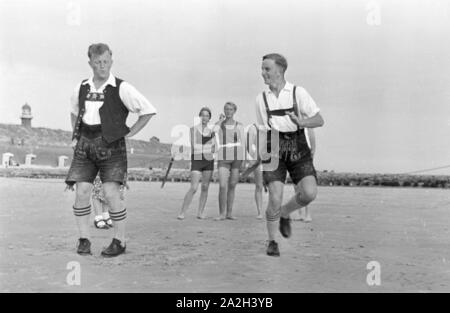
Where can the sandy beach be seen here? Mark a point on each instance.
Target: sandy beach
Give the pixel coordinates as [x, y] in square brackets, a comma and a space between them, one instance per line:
[406, 230]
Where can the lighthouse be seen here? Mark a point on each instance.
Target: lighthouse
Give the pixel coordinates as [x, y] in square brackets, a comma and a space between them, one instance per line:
[26, 116]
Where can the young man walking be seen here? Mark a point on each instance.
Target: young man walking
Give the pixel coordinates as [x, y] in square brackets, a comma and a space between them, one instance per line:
[284, 111]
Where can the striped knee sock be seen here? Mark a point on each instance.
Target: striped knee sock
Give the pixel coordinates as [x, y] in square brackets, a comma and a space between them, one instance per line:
[273, 217]
[118, 216]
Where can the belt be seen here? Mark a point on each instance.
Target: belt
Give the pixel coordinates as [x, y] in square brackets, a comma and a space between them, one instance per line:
[91, 131]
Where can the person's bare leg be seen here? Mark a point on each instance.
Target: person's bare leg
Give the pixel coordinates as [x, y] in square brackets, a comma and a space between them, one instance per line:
[258, 192]
[232, 183]
[98, 213]
[306, 193]
[224, 174]
[117, 207]
[195, 180]
[273, 208]
[106, 216]
[206, 179]
[82, 208]
[98, 207]
[297, 215]
[308, 218]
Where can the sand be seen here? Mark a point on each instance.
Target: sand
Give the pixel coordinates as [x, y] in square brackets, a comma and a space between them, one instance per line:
[406, 230]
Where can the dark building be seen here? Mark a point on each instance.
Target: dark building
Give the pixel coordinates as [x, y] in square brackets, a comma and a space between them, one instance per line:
[26, 116]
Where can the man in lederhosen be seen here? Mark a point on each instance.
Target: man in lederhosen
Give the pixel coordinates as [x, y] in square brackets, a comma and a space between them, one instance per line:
[284, 111]
[100, 107]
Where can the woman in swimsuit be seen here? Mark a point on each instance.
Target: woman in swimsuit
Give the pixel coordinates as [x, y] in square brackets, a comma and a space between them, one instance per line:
[202, 163]
[230, 144]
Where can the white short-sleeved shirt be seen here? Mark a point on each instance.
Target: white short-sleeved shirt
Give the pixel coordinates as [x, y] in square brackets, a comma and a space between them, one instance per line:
[131, 98]
[306, 107]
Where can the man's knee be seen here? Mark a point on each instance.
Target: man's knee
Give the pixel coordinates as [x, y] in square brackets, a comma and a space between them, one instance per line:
[275, 200]
[274, 207]
[111, 192]
[273, 214]
[258, 188]
[83, 192]
[82, 206]
[232, 184]
[306, 195]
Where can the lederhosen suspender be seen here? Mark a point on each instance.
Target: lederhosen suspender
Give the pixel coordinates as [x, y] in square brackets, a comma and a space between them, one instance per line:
[295, 146]
[280, 112]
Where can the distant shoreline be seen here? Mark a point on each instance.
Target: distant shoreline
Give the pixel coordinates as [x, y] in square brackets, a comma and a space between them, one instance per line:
[183, 175]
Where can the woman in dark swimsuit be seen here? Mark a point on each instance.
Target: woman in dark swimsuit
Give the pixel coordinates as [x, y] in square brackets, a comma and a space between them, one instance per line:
[202, 163]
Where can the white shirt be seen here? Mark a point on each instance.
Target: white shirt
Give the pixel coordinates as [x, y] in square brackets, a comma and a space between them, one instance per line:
[131, 98]
[305, 103]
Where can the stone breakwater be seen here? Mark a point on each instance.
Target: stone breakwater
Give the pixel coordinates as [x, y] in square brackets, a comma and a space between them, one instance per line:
[183, 175]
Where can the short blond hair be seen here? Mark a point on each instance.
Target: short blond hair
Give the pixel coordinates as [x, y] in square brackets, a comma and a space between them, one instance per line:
[278, 59]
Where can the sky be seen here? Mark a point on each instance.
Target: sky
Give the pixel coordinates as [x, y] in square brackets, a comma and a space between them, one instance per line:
[378, 70]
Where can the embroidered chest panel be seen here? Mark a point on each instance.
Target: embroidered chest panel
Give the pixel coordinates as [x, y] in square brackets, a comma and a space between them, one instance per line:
[95, 96]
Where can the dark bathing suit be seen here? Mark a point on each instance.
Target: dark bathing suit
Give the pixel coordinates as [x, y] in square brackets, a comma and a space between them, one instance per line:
[202, 162]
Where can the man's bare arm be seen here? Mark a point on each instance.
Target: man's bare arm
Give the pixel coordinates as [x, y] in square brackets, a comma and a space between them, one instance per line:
[312, 141]
[310, 122]
[140, 123]
[73, 120]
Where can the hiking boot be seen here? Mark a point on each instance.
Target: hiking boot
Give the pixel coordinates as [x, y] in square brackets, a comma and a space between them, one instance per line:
[285, 227]
[84, 246]
[272, 248]
[114, 249]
